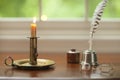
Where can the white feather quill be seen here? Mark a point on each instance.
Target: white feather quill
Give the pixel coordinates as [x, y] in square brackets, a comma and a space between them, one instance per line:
[96, 20]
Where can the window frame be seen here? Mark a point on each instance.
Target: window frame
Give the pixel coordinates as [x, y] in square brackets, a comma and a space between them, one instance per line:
[46, 27]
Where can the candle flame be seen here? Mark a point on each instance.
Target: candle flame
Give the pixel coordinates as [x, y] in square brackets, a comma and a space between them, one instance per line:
[34, 20]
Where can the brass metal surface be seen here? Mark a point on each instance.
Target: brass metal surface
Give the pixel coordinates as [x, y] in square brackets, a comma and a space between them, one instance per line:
[25, 63]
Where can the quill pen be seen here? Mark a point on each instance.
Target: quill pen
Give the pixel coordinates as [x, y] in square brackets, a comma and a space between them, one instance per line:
[96, 20]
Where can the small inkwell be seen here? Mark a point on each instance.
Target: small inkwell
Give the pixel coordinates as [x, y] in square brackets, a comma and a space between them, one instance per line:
[73, 56]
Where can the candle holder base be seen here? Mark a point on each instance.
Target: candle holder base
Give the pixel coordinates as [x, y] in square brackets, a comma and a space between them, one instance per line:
[25, 64]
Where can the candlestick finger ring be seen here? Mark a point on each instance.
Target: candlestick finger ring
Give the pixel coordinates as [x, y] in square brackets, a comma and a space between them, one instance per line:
[9, 61]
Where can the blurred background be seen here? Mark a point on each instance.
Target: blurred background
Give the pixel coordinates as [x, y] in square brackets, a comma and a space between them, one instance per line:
[53, 9]
[61, 25]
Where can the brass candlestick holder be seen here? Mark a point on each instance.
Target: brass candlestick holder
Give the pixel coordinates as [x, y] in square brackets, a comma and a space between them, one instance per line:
[32, 62]
[33, 50]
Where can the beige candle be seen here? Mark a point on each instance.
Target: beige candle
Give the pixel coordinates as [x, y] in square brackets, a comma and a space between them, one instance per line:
[33, 28]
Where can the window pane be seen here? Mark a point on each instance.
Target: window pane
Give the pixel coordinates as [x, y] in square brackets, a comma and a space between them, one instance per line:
[63, 8]
[18, 8]
[112, 9]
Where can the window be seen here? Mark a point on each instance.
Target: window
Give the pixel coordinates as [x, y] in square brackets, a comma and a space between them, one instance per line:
[19, 8]
[63, 8]
[55, 17]
[111, 11]
[58, 21]
[56, 9]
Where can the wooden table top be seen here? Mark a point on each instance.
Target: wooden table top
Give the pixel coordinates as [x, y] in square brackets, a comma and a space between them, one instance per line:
[61, 70]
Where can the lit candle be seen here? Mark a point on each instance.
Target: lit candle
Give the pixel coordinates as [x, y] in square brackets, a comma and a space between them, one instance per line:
[33, 28]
